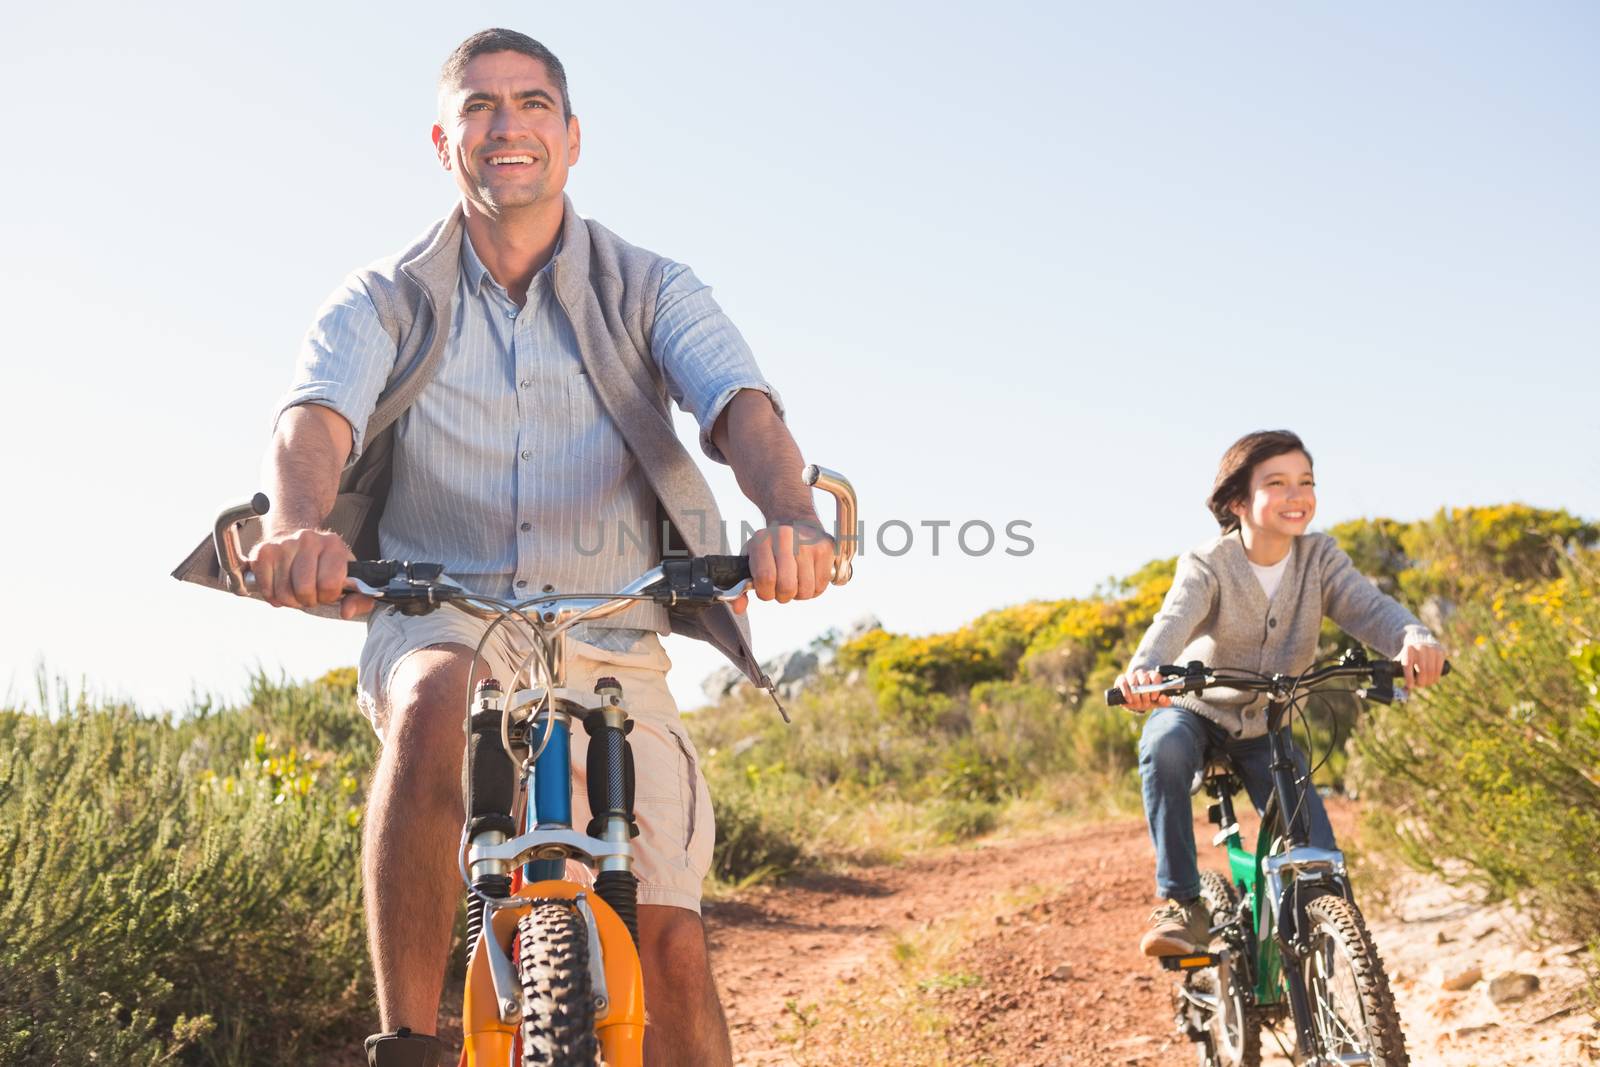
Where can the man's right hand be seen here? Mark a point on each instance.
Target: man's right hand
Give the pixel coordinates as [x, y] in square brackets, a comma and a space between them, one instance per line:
[306, 569]
[1141, 702]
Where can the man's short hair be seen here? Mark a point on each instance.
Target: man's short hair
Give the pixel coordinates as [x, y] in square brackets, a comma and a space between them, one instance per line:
[484, 42]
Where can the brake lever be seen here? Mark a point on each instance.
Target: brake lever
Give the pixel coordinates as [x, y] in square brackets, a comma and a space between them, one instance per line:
[735, 591]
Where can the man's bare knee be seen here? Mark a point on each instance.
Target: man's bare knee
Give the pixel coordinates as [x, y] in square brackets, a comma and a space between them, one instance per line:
[673, 942]
[428, 697]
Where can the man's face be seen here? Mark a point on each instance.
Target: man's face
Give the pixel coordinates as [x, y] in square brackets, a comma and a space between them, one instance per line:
[500, 132]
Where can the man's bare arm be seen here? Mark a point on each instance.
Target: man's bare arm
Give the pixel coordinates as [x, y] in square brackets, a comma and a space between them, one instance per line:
[298, 564]
[792, 559]
[308, 450]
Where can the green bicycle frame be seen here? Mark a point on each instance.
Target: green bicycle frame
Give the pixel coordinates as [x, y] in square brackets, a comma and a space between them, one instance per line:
[1245, 869]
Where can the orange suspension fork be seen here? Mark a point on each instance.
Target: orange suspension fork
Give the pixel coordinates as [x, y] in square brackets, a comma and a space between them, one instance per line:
[490, 1042]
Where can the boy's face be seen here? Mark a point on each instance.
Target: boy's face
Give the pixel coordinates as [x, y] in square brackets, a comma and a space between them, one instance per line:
[1283, 496]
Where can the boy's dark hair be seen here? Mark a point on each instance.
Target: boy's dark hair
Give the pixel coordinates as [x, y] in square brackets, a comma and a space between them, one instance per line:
[485, 42]
[1233, 473]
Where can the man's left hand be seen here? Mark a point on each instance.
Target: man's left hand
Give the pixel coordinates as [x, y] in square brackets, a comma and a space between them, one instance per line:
[788, 561]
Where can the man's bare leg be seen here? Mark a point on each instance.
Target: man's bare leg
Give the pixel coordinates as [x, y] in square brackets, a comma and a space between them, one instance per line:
[686, 1024]
[413, 827]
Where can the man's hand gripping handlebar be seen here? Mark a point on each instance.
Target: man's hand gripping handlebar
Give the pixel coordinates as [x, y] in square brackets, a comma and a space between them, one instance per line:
[421, 587]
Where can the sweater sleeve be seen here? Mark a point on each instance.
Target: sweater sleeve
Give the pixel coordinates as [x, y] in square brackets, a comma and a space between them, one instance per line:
[1188, 602]
[1362, 610]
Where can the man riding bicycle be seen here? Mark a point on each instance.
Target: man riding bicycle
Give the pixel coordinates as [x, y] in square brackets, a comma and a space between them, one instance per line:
[496, 398]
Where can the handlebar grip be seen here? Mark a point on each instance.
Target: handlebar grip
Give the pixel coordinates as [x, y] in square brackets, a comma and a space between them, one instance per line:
[727, 571]
[1114, 697]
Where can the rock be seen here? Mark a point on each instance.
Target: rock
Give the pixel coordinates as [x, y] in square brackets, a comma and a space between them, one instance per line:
[861, 627]
[1511, 987]
[1466, 978]
[790, 671]
[1473, 1031]
[720, 682]
[1581, 1048]
[1060, 974]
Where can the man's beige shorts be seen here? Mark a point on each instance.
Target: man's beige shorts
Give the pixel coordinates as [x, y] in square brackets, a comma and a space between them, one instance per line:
[672, 853]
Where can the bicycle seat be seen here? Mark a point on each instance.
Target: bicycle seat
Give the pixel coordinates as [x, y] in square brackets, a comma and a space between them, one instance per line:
[1216, 766]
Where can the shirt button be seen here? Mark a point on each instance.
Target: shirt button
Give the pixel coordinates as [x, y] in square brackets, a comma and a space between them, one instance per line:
[522, 584]
[1271, 623]
[511, 314]
[527, 526]
[526, 454]
[548, 588]
[525, 383]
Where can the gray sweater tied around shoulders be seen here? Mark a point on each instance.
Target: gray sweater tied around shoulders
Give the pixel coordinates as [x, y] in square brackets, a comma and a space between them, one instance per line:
[1217, 612]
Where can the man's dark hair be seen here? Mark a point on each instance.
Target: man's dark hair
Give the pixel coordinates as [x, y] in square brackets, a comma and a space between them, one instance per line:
[485, 42]
[1233, 473]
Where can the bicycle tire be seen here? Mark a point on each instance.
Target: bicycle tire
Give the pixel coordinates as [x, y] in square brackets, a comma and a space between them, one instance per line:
[1358, 1014]
[558, 995]
[1234, 1036]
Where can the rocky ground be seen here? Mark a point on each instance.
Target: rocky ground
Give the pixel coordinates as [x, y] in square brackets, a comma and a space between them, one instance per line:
[1036, 942]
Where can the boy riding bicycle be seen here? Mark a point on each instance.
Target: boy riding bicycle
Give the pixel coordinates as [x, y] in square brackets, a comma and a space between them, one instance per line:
[1254, 598]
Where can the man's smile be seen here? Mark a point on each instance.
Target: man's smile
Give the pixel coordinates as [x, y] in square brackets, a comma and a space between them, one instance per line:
[508, 160]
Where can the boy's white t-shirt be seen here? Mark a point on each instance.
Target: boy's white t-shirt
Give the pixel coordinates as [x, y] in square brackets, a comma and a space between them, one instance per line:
[1270, 577]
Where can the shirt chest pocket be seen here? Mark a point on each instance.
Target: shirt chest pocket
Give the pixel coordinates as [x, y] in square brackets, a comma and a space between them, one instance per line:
[593, 442]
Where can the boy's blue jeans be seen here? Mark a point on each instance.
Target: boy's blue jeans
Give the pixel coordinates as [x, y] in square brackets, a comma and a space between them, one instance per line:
[1172, 750]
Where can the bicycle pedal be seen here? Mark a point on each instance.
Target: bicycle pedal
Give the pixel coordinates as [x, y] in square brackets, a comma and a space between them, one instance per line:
[1194, 962]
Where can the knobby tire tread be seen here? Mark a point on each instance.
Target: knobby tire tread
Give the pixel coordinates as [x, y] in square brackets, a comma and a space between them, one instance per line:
[558, 998]
[1221, 898]
[1338, 918]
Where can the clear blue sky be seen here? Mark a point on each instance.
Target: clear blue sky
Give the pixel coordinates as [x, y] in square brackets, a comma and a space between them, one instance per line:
[1007, 261]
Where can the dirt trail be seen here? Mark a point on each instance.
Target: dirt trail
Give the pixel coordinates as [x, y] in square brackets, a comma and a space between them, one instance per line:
[802, 940]
[1060, 981]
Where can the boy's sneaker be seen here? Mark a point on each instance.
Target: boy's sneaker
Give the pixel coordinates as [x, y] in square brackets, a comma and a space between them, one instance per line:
[1177, 929]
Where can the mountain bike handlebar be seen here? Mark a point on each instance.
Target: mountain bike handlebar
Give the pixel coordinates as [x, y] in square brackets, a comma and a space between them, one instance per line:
[1196, 677]
[421, 587]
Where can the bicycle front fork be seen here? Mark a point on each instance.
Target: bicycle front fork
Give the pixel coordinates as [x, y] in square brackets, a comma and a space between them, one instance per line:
[611, 787]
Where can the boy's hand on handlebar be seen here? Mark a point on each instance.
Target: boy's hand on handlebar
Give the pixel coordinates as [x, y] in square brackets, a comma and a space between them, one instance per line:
[305, 569]
[1424, 664]
[788, 561]
[1142, 702]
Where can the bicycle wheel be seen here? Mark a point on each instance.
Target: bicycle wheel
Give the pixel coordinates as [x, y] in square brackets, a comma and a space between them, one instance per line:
[1352, 1009]
[1233, 1033]
[558, 996]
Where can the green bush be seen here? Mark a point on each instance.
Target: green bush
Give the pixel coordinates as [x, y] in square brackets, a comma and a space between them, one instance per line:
[1464, 553]
[959, 819]
[177, 893]
[1493, 778]
[753, 844]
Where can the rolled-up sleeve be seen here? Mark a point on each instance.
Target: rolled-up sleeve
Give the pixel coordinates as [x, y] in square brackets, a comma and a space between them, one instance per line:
[703, 357]
[344, 362]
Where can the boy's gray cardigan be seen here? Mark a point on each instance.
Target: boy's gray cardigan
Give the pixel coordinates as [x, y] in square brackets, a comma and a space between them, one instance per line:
[1216, 612]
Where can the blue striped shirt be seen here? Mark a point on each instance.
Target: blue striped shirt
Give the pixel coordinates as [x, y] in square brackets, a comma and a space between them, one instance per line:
[507, 469]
